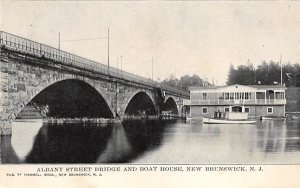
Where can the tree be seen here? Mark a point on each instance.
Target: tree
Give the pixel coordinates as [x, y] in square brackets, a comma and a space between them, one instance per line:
[244, 74]
[265, 73]
[231, 75]
[261, 72]
[171, 81]
[184, 82]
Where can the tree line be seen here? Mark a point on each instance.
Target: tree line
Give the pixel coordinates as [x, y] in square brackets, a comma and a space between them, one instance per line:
[265, 74]
[184, 82]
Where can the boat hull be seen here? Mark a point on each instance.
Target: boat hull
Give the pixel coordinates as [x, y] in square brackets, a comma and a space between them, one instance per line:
[225, 121]
[272, 118]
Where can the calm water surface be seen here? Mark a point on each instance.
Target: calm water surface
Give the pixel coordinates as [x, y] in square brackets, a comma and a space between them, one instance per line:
[154, 142]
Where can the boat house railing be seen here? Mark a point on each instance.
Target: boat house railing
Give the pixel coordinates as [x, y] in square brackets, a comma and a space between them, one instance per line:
[235, 102]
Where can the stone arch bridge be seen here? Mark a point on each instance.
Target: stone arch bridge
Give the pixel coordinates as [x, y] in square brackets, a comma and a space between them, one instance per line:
[31, 71]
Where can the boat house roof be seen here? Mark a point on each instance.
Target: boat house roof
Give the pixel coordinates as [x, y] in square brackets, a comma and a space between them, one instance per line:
[237, 86]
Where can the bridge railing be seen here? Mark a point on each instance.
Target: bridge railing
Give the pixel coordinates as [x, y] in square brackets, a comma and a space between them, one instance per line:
[174, 90]
[28, 46]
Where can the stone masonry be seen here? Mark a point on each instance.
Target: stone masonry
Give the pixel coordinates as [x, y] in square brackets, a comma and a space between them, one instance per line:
[23, 77]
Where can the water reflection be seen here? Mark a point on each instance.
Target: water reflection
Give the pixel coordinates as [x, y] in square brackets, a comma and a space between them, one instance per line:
[145, 135]
[117, 148]
[293, 136]
[78, 143]
[69, 143]
[24, 133]
[15, 148]
[8, 155]
[153, 142]
[271, 136]
[278, 136]
[131, 139]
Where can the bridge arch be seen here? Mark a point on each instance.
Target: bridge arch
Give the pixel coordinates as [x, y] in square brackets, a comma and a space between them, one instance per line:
[33, 92]
[141, 101]
[170, 105]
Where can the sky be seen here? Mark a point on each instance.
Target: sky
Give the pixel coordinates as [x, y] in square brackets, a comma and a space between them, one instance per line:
[192, 37]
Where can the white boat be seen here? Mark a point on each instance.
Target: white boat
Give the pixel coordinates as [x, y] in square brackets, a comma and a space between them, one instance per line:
[295, 117]
[273, 118]
[229, 118]
[227, 121]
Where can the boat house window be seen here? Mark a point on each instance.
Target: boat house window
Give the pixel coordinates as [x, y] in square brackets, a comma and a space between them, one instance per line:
[270, 94]
[247, 109]
[237, 109]
[204, 96]
[260, 95]
[226, 96]
[270, 110]
[226, 109]
[204, 110]
[237, 95]
[279, 95]
[247, 96]
[231, 95]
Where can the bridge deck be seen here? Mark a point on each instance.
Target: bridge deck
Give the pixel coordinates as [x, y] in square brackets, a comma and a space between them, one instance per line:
[24, 45]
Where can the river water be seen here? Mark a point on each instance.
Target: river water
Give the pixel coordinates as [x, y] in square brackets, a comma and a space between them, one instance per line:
[154, 142]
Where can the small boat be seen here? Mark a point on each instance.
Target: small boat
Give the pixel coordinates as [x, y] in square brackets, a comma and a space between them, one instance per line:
[295, 117]
[227, 121]
[273, 117]
[229, 118]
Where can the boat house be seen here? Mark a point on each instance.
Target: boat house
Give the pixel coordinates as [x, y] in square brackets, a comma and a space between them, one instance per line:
[256, 100]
